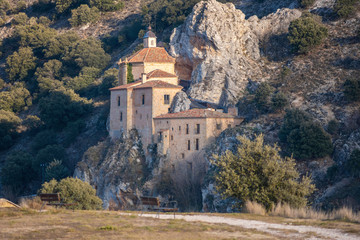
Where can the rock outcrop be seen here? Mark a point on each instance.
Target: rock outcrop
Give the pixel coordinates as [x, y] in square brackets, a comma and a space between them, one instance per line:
[222, 49]
[114, 167]
[181, 102]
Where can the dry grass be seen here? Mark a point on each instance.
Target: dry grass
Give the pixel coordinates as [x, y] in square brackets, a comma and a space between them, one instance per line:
[64, 224]
[285, 210]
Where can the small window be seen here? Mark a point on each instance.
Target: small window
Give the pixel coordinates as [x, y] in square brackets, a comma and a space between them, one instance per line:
[172, 137]
[229, 125]
[218, 126]
[187, 129]
[179, 128]
[118, 100]
[182, 155]
[121, 117]
[189, 143]
[197, 129]
[140, 116]
[197, 144]
[136, 112]
[152, 42]
[168, 110]
[166, 99]
[143, 99]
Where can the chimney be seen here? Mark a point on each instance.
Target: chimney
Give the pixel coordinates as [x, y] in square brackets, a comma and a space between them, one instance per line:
[143, 77]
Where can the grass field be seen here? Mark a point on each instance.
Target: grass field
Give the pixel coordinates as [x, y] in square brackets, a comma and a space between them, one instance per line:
[65, 224]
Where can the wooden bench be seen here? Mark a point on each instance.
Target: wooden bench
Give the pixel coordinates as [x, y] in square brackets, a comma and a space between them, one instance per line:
[53, 199]
[153, 203]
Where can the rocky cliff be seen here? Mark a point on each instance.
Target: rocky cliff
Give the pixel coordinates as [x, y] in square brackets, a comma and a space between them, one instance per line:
[222, 49]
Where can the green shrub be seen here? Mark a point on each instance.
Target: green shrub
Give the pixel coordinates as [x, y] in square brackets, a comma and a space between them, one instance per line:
[20, 64]
[16, 98]
[262, 96]
[110, 80]
[44, 138]
[107, 5]
[49, 75]
[4, 7]
[306, 3]
[345, 8]
[2, 84]
[47, 155]
[257, 172]
[333, 126]
[352, 89]
[305, 33]
[73, 190]
[353, 164]
[60, 44]
[279, 102]
[86, 77]
[20, 19]
[87, 53]
[61, 107]
[9, 123]
[55, 170]
[44, 21]
[285, 71]
[72, 130]
[83, 15]
[36, 36]
[32, 123]
[20, 6]
[304, 138]
[64, 6]
[17, 171]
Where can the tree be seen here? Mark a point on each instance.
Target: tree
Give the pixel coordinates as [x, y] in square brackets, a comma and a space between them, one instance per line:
[305, 33]
[20, 63]
[4, 7]
[55, 170]
[262, 96]
[48, 76]
[60, 44]
[16, 98]
[304, 138]
[17, 171]
[42, 139]
[83, 15]
[107, 5]
[352, 89]
[345, 8]
[62, 106]
[279, 102]
[86, 77]
[73, 190]
[48, 155]
[9, 123]
[353, 164]
[86, 53]
[20, 19]
[110, 80]
[257, 172]
[306, 3]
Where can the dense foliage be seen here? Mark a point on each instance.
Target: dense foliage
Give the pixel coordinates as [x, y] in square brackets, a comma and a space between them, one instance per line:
[345, 8]
[304, 138]
[9, 123]
[257, 172]
[354, 163]
[352, 89]
[306, 32]
[306, 3]
[83, 15]
[73, 190]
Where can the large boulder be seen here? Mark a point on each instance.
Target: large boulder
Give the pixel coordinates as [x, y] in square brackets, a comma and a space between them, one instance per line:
[222, 49]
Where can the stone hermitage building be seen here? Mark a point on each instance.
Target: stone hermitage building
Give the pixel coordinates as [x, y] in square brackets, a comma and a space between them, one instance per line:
[145, 104]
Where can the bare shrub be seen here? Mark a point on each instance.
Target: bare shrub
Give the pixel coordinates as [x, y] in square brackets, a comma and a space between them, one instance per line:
[32, 203]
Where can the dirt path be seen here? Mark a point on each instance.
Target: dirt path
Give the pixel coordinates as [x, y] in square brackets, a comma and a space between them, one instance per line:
[303, 232]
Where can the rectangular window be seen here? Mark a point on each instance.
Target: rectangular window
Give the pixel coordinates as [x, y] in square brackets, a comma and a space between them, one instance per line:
[187, 128]
[143, 100]
[179, 128]
[197, 130]
[229, 125]
[121, 117]
[172, 137]
[118, 100]
[189, 148]
[218, 126]
[182, 155]
[197, 144]
[166, 99]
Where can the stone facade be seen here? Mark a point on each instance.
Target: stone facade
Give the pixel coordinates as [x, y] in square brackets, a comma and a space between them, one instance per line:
[145, 106]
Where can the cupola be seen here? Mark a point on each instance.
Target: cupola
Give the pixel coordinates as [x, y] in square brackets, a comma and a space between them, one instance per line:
[149, 39]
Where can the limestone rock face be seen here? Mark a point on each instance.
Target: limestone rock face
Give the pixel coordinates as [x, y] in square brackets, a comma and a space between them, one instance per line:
[180, 103]
[222, 49]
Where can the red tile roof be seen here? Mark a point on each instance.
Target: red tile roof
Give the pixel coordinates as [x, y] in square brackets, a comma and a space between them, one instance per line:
[159, 74]
[126, 86]
[196, 113]
[157, 84]
[154, 54]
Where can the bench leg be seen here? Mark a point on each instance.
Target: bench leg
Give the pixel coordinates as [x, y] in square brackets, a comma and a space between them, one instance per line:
[42, 206]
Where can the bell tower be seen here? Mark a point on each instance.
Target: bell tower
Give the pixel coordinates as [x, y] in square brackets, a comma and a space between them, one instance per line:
[149, 39]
